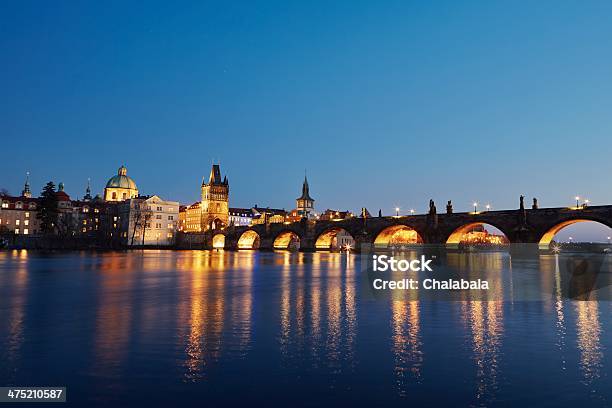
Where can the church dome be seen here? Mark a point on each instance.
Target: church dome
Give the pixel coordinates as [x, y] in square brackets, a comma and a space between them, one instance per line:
[121, 180]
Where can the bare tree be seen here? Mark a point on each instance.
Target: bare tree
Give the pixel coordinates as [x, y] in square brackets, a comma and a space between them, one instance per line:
[142, 216]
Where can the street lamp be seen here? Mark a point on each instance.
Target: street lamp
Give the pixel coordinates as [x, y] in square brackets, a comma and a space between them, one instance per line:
[397, 211]
[577, 202]
[570, 239]
[586, 203]
[608, 240]
[475, 206]
[412, 211]
[488, 207]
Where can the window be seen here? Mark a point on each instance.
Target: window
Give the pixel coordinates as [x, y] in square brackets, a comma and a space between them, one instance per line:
[19, 205]
[158, 225]
[26, 222]
[16, 230]
[170, 226]
[17, 222]
[4, 204]
[32, 206]
[114, 196]
[27, 214]
[124, 196]
[160, 209]
[171, 217]
[158, 217]
[170, 235]
[25, 231]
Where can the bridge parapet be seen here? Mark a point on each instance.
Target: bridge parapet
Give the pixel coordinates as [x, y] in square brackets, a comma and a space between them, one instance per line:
[532, 227]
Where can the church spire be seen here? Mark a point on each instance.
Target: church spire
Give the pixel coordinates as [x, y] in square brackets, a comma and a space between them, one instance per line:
[26, 187]
[87, 196]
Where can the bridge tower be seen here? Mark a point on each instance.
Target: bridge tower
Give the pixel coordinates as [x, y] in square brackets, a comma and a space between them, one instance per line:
[215, 200]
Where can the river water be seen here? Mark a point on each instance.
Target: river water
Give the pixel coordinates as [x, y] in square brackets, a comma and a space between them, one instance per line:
[202, 328]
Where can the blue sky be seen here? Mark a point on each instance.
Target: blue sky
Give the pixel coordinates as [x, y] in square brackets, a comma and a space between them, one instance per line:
[385, 103]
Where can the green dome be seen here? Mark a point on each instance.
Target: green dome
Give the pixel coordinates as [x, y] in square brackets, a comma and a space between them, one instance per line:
[121, 180]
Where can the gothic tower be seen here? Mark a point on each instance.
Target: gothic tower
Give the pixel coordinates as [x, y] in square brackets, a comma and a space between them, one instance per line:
[305, 203]
[215, 199]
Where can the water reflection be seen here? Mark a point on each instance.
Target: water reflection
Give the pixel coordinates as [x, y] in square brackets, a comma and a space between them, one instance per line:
[484, 320]
[407, 345]
[589, 337]
[190, 317]
[113, 313]
[212, 312]
[318, 310]
[12, 309]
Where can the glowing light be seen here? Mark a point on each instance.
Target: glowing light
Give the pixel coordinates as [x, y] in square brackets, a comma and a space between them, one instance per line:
[397, 211]
[412, 211]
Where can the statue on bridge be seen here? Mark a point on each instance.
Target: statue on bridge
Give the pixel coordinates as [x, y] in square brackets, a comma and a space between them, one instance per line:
[522, 213]
[449, 207]
[432, 207]
[534, 206]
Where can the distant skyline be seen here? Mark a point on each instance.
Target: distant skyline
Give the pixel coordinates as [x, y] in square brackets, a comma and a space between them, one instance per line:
[387, 104]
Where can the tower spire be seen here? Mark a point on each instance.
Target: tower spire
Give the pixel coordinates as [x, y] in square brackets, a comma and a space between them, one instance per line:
[26, 187]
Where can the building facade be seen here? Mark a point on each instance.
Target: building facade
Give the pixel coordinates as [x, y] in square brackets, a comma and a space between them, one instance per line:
[241, 216]
[268, 215]
[148, 221]
[193, 217]
[18, 214]
[215, 200]
[120, 187]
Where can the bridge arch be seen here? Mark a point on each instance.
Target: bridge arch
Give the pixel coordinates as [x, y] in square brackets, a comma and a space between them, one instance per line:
[549, 234]
[286, 240]
[476, 232]
[334, 238]
[398, 235]
[249, 239]
[218, 241]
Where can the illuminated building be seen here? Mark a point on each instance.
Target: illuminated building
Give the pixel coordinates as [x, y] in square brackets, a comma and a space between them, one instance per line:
[331, 215]
[120, 187]
[193, 217]
[215, 200]
[268, 215]
[18, 214]
[148, 221]
[182, 218]
[241, 216]
[305, 203]
[480, 236]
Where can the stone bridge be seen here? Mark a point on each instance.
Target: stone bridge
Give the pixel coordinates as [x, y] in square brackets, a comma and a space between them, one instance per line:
[519, 226]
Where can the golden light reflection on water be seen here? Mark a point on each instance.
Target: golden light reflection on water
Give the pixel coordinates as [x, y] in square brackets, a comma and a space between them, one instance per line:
[588, 330]
[322, 318]
[484, 321]
[407, 344]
